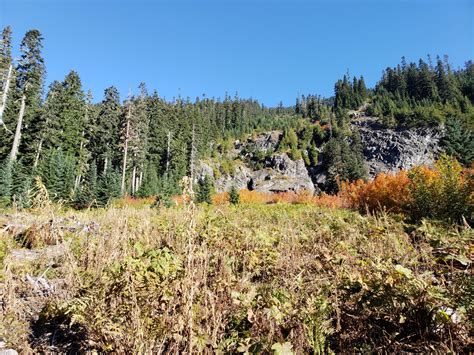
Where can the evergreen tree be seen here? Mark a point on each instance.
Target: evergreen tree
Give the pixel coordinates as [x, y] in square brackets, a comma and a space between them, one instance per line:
[7, 116]
[344, 161]
[30, 79]
[106, 139]
[108, 187]
[151, 183]
[5, 54]
[86, 194]
[458, 141]
[67, 127]
[234, 197]
[57, 171]
[204, 190]
[22, 182]
[6, 182]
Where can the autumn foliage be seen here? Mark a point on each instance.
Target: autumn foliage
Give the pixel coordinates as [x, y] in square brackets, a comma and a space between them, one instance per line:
[386, 191]
[291, 197]
[444, 192]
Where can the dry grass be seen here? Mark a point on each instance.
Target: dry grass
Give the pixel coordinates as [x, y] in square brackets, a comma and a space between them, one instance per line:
[235, 279]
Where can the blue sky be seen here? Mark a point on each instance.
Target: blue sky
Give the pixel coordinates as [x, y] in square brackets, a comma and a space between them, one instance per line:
[269, 50]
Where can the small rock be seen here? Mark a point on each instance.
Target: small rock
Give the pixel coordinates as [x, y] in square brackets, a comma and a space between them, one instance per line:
[8, 352]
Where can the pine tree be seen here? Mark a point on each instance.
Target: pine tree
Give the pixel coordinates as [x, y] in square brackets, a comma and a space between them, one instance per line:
[105, 144]
[86, 194]
[108, 187]
[30, 79]
[204, 190]
[344, 161]
[70, 124]
[151, 183]
[6, 182]
[137, 124]
[58, 172]
[22, 182]
[7, 93]
[5, 52]
[234, 197]
[458, 141]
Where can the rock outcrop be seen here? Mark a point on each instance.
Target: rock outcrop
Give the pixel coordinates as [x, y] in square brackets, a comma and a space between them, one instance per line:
[389, 150]
[279, 174]
[385, 150]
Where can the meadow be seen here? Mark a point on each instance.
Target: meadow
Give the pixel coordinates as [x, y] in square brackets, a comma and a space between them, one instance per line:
[276, 277]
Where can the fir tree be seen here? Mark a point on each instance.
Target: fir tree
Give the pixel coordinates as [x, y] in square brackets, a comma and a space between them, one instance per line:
[458, 141]
[234, 197]
[6, 182]
[30, 79]
[105, 144]
[86, 194]
[204, 190]
[5, 54]
[108, 187]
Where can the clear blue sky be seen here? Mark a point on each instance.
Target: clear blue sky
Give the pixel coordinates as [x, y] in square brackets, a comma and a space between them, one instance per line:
[269, 50]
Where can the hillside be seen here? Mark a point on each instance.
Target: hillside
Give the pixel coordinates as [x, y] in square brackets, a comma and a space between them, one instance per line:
[257, 162]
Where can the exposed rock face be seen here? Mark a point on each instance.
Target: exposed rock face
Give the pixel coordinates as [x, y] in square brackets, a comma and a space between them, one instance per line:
[389, 150]
[265, 141]
[385, 150]
[280, 174]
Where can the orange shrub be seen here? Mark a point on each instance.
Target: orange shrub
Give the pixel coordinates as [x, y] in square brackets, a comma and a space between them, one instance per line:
[386, 191]
[331, 201]
[220, 198]
[445, 192]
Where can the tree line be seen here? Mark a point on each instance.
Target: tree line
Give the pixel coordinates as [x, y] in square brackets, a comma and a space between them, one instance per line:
[88, 152]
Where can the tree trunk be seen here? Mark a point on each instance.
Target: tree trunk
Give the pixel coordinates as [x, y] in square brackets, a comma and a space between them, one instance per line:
[16, 140]
[5, 94]
[193, 155]
[125, 153]
[105, 164]
[77, 182]
[40, 145]
[168, 152]
[134, 174]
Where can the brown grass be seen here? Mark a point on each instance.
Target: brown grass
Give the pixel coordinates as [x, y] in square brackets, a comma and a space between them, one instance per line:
[235, 279]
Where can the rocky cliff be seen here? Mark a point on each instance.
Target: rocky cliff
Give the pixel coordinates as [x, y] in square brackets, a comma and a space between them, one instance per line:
[389, 150]
[385, 150]
[279, 174]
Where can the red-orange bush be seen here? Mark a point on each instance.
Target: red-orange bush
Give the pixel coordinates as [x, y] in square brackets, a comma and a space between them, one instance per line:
[389, 192]
[444, 192]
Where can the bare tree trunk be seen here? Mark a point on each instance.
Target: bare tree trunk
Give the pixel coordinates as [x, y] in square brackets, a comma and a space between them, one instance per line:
[77, 182]
[140, 179]
[168, 152]
[16, 140]
[134, 173]
[79, 175]
[40, 145]
[125, 153]
[193, 154]
[105, 164]
[5, 94]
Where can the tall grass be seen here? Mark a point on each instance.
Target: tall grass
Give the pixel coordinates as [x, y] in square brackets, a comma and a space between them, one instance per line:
[238, 279]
